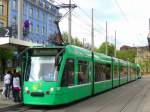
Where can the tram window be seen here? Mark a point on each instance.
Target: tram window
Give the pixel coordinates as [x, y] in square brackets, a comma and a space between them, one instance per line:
[108, 72]
[135, 71]
[128, 71]
[116, 71]
[83, 72]
[102, 72]
[132, 71]
[99, 72]
[138, 71]
[123, 71]
[68, 74]
[28, 70]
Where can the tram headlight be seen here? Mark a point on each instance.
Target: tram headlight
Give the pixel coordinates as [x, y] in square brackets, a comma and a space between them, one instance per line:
[26, 88]
[51, 89]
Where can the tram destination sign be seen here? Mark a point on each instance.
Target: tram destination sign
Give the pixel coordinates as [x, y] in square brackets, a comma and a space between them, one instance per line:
[5, 31]
[40, 52]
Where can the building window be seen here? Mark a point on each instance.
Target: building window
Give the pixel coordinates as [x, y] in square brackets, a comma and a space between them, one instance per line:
[43, 16]
[44, 4]
[43, 30]
[38, 13]
[37, 2]
[1, 24]
[31, 12]
[1, 8]
[38, 29]
[68, 74]
[31, 27]
[14, 5]
[50, 21]
[83, 72]
[14, 20]
[32, 1]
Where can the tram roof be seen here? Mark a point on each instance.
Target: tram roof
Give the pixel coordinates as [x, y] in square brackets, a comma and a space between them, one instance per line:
[85, 53]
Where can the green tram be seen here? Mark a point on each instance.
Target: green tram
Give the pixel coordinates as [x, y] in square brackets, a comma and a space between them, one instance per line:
[62, 74]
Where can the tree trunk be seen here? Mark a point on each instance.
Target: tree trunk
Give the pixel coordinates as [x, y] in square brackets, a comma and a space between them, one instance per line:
[3, 68]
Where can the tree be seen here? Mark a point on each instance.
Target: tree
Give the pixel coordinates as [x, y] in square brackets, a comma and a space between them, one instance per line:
[110, 47]
[5, 55]
[74, 40]
[129, 55]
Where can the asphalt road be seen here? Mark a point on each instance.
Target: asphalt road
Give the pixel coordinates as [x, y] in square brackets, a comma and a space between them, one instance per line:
[132, 97]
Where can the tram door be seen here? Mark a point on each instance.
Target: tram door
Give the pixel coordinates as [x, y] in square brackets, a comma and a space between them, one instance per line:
[68, 80]
[115, 73]
[84, 84]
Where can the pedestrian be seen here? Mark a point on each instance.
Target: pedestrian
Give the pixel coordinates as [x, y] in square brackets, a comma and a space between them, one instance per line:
[16, 86]
[13, 74]
[7, 83]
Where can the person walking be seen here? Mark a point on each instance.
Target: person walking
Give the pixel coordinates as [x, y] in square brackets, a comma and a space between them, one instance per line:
[16, 86]
[7, 83]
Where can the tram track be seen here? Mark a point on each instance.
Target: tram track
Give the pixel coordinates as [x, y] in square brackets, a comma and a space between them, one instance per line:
[24, 108]
[119, 100]
[122, 102]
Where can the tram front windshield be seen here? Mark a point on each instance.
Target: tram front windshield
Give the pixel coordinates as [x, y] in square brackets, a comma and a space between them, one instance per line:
[42, 68]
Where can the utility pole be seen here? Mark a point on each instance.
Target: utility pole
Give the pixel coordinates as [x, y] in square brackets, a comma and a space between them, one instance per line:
[83, 41]
[92, 34]
[137, 60]
[69, 22]
[20, 19]
[106, 49]
[115, 50]
[148, 37]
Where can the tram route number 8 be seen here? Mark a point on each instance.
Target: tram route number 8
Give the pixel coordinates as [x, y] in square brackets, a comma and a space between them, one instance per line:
[6, 32]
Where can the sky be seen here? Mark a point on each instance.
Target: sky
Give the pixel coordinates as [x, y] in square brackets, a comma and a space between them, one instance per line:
[129, 18]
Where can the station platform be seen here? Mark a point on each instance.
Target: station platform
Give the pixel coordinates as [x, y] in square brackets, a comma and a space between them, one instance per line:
[6, 102]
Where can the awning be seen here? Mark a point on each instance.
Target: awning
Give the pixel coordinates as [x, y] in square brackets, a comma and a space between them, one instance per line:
[7, 42]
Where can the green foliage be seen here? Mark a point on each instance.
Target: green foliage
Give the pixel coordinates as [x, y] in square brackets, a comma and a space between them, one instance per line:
[110, 47]
[74, 40]
[129, 55]
[5, 55]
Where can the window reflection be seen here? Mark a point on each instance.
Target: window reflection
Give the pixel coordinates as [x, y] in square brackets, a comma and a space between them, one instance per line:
[42, 68]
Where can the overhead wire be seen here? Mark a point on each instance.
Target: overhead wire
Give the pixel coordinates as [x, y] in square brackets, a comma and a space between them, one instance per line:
[121, 11]
[87, 23]
[76, 16]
